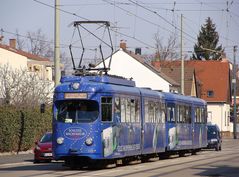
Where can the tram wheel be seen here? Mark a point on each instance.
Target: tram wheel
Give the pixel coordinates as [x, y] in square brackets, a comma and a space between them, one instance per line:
[145, 159]
[194, 152]
[181, 154]
[164, 155]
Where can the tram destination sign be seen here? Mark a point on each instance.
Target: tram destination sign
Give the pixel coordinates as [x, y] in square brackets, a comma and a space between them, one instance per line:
[75, 95]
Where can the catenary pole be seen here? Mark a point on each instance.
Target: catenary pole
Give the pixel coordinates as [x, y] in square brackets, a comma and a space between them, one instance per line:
[57, 44]
[234, 94]
[182, 60]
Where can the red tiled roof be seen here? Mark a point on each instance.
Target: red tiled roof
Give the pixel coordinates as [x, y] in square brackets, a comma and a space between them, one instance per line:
[23, 53]
[212, 75]
[175, 74]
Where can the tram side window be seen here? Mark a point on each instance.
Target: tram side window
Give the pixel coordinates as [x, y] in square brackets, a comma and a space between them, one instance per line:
[163, 112]
[203, 115]
[198, 115]
[151, 111]
[157, 113]
[137, 109]
[146, 110]
[171, 113]
[188, 114]
[181, 113]
[123, 109]
[106, 108]
[117, 107]
[132, 110]
[128, 104]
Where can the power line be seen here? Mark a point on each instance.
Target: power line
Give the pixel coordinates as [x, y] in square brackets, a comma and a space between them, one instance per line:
[148, 21]
[28, 37]
[164, 19]
[74, 14]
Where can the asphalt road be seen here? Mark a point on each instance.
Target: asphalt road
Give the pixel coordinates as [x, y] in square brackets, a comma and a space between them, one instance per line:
[206, 163]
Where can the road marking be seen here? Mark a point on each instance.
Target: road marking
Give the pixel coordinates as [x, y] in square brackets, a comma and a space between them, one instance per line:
[105, 172]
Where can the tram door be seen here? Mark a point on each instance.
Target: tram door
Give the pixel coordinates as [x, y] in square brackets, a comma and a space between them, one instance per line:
[193, 127]
[129, 135]
[121, 133]
[107, 126]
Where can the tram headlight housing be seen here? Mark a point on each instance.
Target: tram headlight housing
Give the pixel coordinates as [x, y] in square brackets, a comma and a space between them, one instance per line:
[76, 85]
[60, 140]
[89, 141]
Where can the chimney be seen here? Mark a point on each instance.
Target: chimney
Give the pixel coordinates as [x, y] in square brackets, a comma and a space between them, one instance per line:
[123, 44]
[12, 43]
[138, 51]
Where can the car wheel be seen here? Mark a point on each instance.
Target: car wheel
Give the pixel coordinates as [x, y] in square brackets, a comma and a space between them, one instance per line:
[36, 161]
[220, 148]
[48, 161]
[217, 147]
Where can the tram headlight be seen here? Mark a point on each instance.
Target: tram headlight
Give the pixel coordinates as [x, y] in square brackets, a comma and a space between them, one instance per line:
[60, 140]
[89, 141]
[76, 85]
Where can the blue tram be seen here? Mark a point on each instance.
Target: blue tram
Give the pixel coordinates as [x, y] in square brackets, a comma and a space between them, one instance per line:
[102, 117]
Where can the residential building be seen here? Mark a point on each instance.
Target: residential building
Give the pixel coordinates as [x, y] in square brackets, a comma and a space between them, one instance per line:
[213, 80]
[190, 86]
[130, 65]
[16, 59]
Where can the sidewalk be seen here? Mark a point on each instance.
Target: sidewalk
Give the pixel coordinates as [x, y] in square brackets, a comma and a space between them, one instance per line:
[15, 153]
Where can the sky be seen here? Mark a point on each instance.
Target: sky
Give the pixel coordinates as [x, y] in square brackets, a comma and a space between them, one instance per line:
[134, 21]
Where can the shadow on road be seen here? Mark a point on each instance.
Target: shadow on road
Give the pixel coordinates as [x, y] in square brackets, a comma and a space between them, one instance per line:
[31, 166]
[220, 171]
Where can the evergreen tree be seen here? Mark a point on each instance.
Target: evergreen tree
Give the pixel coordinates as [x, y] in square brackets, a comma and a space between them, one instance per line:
[207, 39]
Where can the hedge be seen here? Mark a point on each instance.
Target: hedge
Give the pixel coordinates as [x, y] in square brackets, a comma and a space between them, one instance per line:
[19, 129]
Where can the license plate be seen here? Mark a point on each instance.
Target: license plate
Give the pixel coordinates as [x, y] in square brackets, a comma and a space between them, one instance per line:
[47, 154]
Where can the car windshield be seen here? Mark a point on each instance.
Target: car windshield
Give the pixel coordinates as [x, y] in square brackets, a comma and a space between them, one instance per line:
[46, 138]
[77, 111]
[211, 132]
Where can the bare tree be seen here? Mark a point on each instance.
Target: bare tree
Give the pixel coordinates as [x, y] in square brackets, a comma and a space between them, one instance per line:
[20, 41]
[22, 88]
[168, 51]
[39, 44]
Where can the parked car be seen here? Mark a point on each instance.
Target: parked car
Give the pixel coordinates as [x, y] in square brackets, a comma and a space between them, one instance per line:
[43, 149]
[214, 137]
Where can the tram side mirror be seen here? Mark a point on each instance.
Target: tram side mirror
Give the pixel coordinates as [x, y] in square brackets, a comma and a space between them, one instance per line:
[42, 108]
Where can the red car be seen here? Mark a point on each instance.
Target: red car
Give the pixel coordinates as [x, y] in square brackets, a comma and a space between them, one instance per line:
[43, 149]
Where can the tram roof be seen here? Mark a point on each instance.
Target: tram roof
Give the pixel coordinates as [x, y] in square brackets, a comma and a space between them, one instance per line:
[98, 84]
[186, 99]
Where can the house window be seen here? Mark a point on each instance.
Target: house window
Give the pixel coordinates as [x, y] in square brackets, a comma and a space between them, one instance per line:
[210, 93]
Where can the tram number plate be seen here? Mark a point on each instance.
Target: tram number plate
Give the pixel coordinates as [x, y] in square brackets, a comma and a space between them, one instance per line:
[47, 154]
[76, 95]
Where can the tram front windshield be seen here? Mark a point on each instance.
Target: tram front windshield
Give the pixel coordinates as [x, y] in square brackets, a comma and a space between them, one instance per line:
[77, 111]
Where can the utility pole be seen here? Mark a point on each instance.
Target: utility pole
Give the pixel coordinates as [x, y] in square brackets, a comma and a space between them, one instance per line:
[234, 94]
[182, 60]
[57, 70]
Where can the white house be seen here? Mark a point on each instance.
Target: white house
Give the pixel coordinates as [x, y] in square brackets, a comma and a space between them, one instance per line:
[213, 80]
[20, 60]
[129, 65]
[9, 56]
